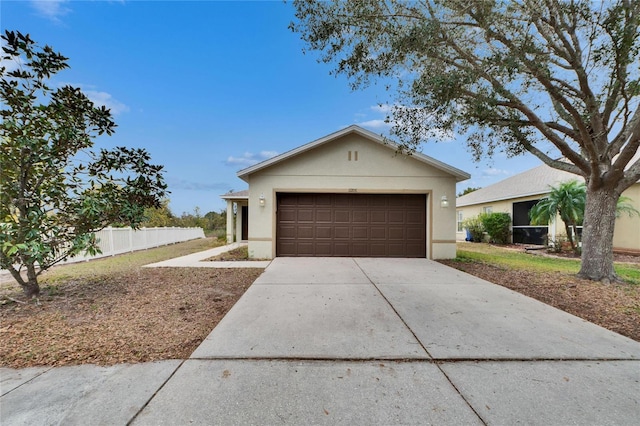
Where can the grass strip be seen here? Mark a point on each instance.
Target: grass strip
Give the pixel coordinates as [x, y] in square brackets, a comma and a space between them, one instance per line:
[512, 259]
[127, 261]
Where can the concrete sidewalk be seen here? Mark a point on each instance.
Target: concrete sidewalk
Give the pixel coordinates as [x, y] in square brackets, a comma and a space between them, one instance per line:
[359, 341]
[197, 260]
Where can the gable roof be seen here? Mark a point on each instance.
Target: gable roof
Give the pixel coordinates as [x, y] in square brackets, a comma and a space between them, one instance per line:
[238, 195]
[244, 173]
[535, 181]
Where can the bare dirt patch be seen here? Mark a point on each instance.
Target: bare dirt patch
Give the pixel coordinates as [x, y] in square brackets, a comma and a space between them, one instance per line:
[615, 306]
[237, 254]
[143, 314]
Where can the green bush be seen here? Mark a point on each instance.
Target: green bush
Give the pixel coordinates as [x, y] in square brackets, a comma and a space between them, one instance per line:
[497, 225]
[475, 228]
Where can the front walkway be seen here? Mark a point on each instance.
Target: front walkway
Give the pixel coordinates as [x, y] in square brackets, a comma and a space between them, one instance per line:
[197, 260]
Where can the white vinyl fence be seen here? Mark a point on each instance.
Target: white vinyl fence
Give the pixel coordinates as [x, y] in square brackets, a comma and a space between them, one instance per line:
[114, 241]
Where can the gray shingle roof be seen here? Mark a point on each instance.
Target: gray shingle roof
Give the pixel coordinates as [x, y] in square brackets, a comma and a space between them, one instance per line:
[241, 195]
[532, 182]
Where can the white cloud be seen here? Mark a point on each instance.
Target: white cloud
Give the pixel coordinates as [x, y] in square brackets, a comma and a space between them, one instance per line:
[105, 99]
[249, 158]
[382, 108]
[375, 124]
[11, 64]
[495, 172]
[51, 9]
[177, 183]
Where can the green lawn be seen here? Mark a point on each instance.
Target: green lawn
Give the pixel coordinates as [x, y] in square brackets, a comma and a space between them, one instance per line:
[125, 262]
[513, 259]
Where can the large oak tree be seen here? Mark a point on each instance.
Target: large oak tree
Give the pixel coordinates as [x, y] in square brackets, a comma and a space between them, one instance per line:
[558, 79]
[55, 192]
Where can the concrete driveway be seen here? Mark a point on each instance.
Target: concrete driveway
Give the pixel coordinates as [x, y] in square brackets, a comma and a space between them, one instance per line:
[380, 341]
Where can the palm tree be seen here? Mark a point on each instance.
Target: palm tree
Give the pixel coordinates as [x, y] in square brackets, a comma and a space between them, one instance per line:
[625, 206]
[566, 200]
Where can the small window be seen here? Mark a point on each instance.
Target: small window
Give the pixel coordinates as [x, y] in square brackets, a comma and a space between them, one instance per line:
[488, 209]
[459, 220]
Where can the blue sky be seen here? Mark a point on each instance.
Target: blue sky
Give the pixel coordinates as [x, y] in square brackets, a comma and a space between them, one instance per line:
[209, 88]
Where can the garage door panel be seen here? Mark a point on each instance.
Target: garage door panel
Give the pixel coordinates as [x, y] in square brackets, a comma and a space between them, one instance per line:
[305, 232]
[415, 234]
[378, 216]
[342, 216]
[359, 249]
[377, 250]
[360, 233]
[414, 217]
[306, 200]
[411, 247]
[396, 233]
[306, 248]
[380, 201]
[378, 233]
[287, 246]
[360, 216]
[341, 249]
[419, 202]
[324, 249]
[341, 201]
[342, 232]
[396, 216]
[305, 215]
[357, 201]
[324, 215]
[286, 215]
[324, 232]
[396, 250]
[323, 201]
[288, 231]
[375, 225]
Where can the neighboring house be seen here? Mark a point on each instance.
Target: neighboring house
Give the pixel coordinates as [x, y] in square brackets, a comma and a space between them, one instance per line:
[347, 194]
[517, 194]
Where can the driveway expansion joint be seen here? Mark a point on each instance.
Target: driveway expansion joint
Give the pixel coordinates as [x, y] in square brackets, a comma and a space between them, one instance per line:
[155, 393]
[26, 382]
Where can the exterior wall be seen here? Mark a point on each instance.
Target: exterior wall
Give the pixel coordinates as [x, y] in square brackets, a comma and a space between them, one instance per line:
[502, 206]
[627, 232]
[328, 169]
[626, 235]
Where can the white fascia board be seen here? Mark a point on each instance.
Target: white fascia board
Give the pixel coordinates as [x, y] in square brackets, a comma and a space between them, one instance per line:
[510, 197]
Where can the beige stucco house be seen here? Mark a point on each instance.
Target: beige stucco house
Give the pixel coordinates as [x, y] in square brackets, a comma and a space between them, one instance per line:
[347, 194]
[517, 194]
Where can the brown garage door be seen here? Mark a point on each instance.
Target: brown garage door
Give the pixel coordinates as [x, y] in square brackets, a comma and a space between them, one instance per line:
[372, 225]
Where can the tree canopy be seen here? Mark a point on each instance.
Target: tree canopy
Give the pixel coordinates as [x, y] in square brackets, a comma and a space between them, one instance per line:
[558, 79]
[468, 190]
[55, 192]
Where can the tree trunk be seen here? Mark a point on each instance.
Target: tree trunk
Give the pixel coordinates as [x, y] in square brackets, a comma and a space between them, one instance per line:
[567, 228]
[597, 235]
[30, 287]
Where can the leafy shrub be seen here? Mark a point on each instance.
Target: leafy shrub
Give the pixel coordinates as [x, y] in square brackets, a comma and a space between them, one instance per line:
[556, 245]
[497, 225]
[475, 228]
[561, 244]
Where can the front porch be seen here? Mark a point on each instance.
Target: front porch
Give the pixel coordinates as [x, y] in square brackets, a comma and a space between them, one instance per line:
[237, 216]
